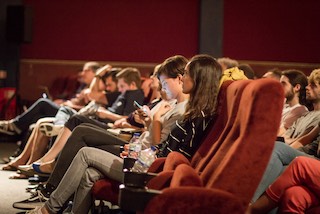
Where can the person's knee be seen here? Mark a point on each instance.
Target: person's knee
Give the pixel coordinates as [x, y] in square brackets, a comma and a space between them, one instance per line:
[74, 121]
[279, 147]
[80, 130]
[296, 200]
[44, 101]
[84, 152]
[303, 162]
[90, 176]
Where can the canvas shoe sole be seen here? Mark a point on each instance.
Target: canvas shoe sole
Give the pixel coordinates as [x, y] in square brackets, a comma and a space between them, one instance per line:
[36, 210]
[36, 200]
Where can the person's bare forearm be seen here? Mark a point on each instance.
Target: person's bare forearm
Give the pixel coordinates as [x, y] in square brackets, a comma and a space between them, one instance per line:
[307, 138]
[106, 114]
[156, 129]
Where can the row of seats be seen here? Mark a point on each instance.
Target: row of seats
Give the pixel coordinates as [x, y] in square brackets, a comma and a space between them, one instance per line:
[223, 174]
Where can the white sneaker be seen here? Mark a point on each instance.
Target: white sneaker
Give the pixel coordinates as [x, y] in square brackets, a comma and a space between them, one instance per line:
[49, 129]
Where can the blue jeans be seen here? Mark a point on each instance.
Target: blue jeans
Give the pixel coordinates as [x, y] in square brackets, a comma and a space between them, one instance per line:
[41, 108]
[282, 155]
[63, 115]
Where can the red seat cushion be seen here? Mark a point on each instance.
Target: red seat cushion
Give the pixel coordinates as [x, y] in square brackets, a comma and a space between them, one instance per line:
[106, 189]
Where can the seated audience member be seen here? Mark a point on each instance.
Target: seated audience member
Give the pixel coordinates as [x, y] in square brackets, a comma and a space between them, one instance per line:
[274, 73]
[150, 93]
[227, 63]
[107, 76]
[38, 142]
[156, 96]
[294, 191]
[160, 120]
[310, 119]
[201, 82]
[294, 83]
[300, 135]
[45, 107]
[128, 84]
[247, 70]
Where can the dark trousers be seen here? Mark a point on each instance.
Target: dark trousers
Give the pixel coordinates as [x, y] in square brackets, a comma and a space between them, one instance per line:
[41, 108]
[77, 119]
[84, 135]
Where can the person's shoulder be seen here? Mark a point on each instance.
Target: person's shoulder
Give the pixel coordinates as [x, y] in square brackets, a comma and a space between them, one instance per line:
[300, 109]
[182, 104]
[313, 113]
[112, 94]
[136, 92]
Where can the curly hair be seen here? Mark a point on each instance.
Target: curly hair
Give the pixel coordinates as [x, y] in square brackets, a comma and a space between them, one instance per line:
[205, 72]
[315, 76]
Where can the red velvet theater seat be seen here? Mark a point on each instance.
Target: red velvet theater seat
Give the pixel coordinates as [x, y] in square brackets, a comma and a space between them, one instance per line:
[228, 181]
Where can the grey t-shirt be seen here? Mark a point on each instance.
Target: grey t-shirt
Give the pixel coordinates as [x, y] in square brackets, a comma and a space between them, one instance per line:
[168, 120]
[305, 122]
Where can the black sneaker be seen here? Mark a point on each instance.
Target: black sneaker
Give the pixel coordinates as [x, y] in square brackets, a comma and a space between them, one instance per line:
[32, 188]
[37, 199]
[36, 179]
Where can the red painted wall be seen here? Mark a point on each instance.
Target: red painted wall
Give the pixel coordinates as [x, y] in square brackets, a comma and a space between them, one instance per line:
[272, 30]
[122, 30]
[150, 30]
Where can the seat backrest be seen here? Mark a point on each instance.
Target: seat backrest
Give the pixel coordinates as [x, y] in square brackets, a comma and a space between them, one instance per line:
[213, 140]
[238, 165]
[71, 85]
[219, 123]
[57, 86]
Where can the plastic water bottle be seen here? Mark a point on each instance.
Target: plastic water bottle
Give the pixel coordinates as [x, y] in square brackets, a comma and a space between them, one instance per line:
[145, 159]
[134, 146]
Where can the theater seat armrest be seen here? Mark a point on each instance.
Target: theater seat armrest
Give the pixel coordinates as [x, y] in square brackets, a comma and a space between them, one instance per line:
[157, 165]
[135, 199]
[181, 200]
[137, 179]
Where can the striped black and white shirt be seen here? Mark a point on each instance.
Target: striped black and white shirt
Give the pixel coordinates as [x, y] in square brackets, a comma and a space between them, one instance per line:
[185, 137]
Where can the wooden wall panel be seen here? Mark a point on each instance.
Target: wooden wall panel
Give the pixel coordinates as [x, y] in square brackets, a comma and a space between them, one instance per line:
[34, 74]
[37, 73]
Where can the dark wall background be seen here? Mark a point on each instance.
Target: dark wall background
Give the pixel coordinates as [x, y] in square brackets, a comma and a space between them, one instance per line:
[150, 31]
[125, 30]
[272, 30]
[9, 51]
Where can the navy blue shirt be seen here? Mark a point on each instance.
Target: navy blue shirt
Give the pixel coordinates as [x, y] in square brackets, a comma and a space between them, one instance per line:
[124, 103]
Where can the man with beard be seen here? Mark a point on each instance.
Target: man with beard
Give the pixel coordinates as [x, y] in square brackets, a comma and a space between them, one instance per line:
[294, 84]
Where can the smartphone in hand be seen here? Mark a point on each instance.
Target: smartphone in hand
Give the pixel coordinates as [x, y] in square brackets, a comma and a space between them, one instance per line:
[137, 105]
